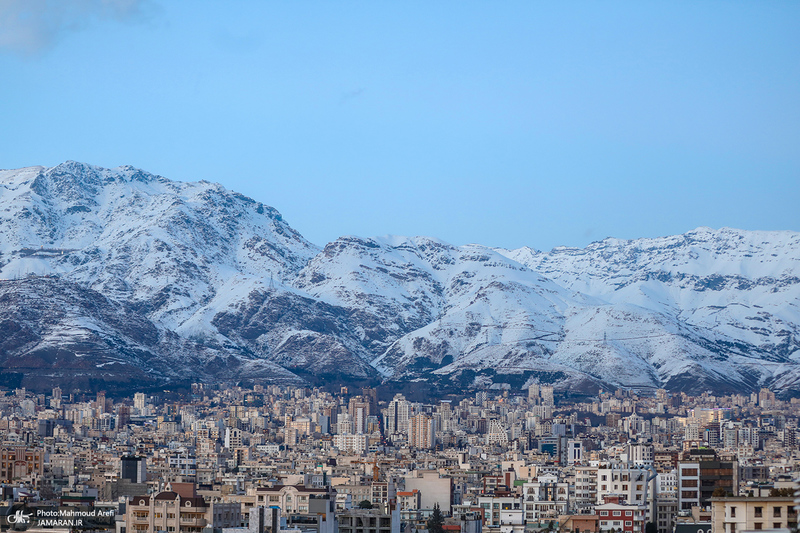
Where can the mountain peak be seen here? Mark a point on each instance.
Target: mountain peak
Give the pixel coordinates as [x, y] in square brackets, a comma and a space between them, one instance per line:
[222, 276]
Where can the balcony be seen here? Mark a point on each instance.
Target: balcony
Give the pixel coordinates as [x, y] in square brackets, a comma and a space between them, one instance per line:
[193, 522]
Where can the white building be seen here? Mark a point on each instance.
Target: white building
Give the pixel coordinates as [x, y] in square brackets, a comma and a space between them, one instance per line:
[349, 443]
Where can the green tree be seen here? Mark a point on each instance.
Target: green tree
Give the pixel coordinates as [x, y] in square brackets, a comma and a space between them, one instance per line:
[365, 504]
[436, 521]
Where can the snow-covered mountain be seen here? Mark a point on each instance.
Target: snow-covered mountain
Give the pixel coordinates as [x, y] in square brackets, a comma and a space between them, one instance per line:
[171, 248]
[55, 332]
[740, 290]
[116, 272]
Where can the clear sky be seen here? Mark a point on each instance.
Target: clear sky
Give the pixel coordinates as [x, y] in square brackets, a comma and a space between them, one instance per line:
[504, 123]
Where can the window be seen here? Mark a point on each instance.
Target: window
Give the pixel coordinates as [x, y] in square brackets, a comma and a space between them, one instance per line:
[776, 512]
[628, 513]
[759, 512]
[628, 522]
[617, 513]
[757, 525]
[603, 513]
[733, 512]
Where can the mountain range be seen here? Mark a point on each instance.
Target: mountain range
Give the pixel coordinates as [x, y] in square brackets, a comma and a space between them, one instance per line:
[121, 279]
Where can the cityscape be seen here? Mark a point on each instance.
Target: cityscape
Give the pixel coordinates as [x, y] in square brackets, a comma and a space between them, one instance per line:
[272, 458]
[399, 266]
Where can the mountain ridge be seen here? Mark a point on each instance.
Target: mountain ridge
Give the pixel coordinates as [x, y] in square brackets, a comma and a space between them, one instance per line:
[228, 277]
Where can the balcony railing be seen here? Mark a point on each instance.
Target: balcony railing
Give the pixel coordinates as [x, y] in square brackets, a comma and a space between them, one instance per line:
[198, 522]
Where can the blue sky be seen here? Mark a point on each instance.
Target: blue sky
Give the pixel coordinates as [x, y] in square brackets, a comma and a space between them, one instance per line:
[502, 123]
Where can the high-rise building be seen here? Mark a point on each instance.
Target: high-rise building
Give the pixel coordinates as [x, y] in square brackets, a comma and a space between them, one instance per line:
[397, 415]
[358, 409]
[700, 473]
[423, 432]
[101, 402]
[481, 397]
[533, 393]
[547, 395]
[55, 401]
[139, 402]
[133, 469]
[371, 397]
[766, 398]
[123, 416]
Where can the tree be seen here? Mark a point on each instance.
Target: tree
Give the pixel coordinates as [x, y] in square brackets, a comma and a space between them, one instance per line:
[365, 504]
[787, 491]
[719, 492]
[436, 521]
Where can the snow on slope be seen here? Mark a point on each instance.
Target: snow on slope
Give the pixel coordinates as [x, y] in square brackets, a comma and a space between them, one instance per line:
[398, 286]
[743, 285]
[168, 246]
[225, 274]
[55, 332]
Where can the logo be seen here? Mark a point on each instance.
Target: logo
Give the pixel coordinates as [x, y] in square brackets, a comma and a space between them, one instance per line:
[20, 517]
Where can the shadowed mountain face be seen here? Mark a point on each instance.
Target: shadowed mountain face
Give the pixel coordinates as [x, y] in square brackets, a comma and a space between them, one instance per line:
[114, 277]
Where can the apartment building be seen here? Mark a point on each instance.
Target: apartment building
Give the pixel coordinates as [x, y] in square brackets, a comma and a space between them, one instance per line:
[737, 514]
[177, 509]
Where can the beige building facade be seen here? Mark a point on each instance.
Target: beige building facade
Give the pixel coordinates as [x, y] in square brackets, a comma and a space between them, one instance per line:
[737, 514]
